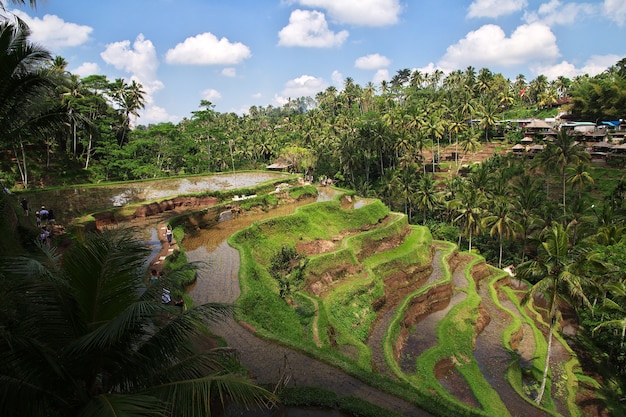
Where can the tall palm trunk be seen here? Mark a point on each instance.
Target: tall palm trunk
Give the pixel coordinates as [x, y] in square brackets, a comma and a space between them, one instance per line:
[563, 175]
[546, 367]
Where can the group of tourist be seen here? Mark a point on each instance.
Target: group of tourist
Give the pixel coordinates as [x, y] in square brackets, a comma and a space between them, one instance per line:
[45, 220]
[166, 297]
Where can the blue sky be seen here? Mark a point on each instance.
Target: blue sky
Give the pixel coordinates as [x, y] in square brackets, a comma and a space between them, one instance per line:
[240, 53]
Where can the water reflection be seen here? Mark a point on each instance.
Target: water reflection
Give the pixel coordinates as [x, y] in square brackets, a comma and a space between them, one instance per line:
[73, 202]
[228, 224]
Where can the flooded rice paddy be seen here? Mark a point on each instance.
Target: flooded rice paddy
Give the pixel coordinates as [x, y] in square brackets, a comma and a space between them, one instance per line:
[72, 202]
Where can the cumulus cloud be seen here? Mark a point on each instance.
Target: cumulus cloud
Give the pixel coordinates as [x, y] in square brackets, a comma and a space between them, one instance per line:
[595, 65]
[55, 33]
[86, 68]
[156, 114]
[615, 10]
[207, 49]
[211, 94]
[372, 61]
[359, 12]
[495, 8]
[140, 61]
[337, 78]
[310, 29]
[303, 86]
[556, 13]
[488, 46]
[380, 76]
[430, 68]
[229, 72]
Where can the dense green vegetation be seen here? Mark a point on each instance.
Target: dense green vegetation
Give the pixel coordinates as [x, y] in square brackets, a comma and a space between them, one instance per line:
[82, 335]
[380, 141]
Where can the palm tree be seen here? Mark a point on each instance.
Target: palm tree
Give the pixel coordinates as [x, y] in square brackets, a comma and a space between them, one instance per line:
[501, 222]
[426, 196]
[32, 3]
[615, 305]
[83, 336]
[558, 272]
[468, 208]
[129, 99]
[579, 177]
[565, 152]
[23, 85]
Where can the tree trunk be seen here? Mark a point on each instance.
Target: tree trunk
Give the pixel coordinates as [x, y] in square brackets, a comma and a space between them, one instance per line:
[546, 367]
[88, 151]
[21, 166]
[563, 192]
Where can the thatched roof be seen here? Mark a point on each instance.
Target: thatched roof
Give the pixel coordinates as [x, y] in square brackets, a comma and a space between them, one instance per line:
[278, 165]
[538, 124]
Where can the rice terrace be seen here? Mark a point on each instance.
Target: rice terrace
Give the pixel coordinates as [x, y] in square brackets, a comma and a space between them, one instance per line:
[443, 241]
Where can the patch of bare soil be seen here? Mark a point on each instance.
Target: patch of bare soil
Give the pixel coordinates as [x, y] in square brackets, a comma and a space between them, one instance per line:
[452, 380]
[316, 247]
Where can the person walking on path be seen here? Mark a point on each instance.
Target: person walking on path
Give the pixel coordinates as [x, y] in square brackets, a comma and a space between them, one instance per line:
[24, 204]
[154, 276]
[43, 213]
[168, 235]
[44, 236]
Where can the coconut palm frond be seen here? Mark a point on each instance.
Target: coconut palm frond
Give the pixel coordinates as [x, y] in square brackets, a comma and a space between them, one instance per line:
[120, 405]
[205, 392]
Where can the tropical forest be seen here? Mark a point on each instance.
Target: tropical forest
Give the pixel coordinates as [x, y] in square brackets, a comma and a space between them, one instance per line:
[451, 244]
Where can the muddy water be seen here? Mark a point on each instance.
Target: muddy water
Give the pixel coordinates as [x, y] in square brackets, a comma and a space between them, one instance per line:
[221, 284]
[211, 246]
[228, 224]
[424, 335]
[72, 202]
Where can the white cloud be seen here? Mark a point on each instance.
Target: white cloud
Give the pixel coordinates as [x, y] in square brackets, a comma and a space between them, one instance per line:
[593, 66]
[280, 100]
[488, 46]
[309, 29]
[430, 68]
[229, 72]
[372, 61]
[380, 76]
[359, 12]
[140, 61]
[86, 68]
[55, 33]
[615, 10]
[211, 94]
[556, 13]
[303, 86]
[206, 49]
[257, 95]
[337, 78]
[156, 114]
[495, 8]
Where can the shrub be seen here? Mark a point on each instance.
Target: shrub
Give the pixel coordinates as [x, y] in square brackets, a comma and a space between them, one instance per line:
[357, 407]
[308, 397]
